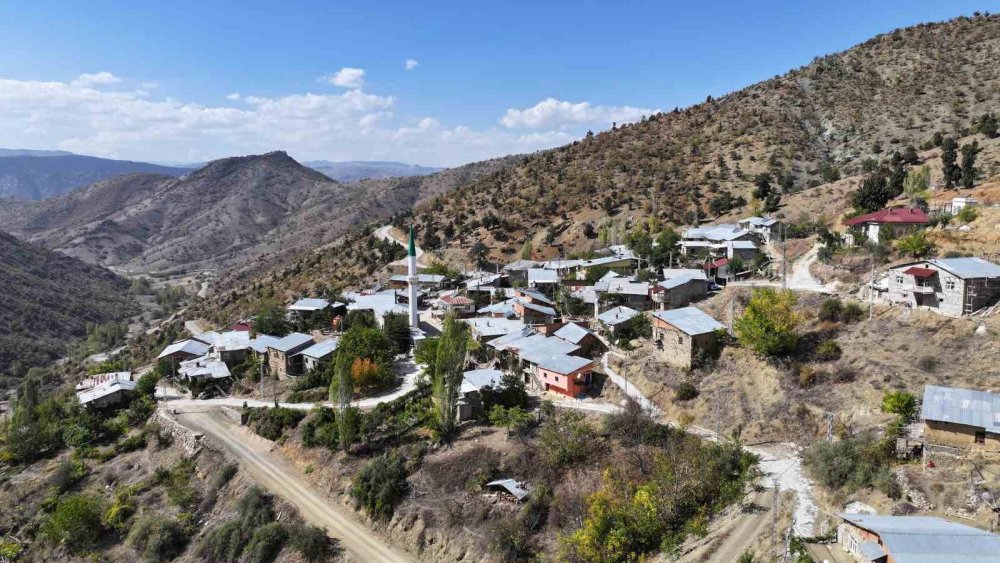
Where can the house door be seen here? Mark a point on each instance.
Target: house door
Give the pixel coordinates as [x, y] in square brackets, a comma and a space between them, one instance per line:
[980, 437]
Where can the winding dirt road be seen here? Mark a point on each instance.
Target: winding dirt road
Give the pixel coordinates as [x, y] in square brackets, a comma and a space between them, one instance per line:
[283, 479]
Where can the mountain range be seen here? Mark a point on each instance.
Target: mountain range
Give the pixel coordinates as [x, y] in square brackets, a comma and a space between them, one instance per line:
[35, 175]
[352, 171]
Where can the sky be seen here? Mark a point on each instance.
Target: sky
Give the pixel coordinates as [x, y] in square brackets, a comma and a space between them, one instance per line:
[439, 84]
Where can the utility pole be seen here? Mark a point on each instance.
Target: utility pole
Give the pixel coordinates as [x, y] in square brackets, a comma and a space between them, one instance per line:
[829, 427]
[784, 259]
[871, 287]
[260, 392]
[729, 310]
[718, 421]
[774, 517]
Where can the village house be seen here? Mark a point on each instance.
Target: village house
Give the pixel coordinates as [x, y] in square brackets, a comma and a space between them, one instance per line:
[470, 403]
[549, 363]
[951, 286]
[318, 354]
[433, 282]
[260, 343]
[231, 346]
[616, 319]
[184, 350]
[564, 374]
[718, 270]
[679, 287]
[619, 264]
[113, 391]
[485, 329]
[460, 305]
[959, 203]
[102, 378]
[533, 313]
[307, 306]
[542, 279]
[766, 228]
[705, 239]
[961, 418]
[622, 291]
[914, 539]
[575, 334]
[680, 334]
[380, 303]
[898, 220]
[205, 368]
[533, 296]
[283, 358]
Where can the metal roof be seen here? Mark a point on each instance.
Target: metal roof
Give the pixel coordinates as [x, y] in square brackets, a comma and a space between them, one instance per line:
[100, 378]
[535, 307]
[521, 265]
[189, 346]
[896, 215]
[321, 350]
[690, 320]
[262, 342]
[103, 390]
[204, 367]
[291, 342]
[759, 221]
[309, 304]
[967, 268]
[536, 295]
[231, 340]
[476, 379]
[925, 539]
[421, 278]
[572, 332]
[602, 260]
[618, 315]
[679, 276]
[522, 331]
[493, 326]
[742, 244]
[505, 308]
[626, 287]
[539, 275]
[564, 363]
[519, 490]
[379, 303]
[722, 232]
[962, 406]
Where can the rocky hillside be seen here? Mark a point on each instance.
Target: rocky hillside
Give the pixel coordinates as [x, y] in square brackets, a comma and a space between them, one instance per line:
[232, 213]
[353, 171]
[48, 302]
[34, 175]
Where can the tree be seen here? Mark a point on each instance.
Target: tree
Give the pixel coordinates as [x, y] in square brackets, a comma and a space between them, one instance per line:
[396, 327]
[768, 325]
[526, 249]
[270, 319]
[513, 419]
[33, 428]
[448, 367]
[762, 186]
[479, 253]
[917, 181]
[949, 156]
[874, 192]
[901, 403]
[915, 244]
[988, 125]
[76, 522]
[969, 172]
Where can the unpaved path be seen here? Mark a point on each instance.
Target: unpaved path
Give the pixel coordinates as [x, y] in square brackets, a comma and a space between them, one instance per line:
[731, 537]
[283, 479]
[800, 278]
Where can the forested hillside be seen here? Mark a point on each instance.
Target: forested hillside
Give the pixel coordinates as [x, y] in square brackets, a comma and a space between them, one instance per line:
[47, 303]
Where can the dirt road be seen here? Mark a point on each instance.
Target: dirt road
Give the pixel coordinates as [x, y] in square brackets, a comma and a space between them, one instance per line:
[283, 479]
[729, 538]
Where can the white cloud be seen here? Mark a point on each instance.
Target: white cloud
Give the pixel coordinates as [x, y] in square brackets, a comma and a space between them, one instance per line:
[234, 96]
[411, 64]
[348, 77]
[102, 78]
[347, 125]
[551, 113]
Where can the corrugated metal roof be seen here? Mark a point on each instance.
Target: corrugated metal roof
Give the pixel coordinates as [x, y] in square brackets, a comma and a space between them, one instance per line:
[759, 221]
[522, 331]
[309, 304]
[505, 308]
[618, 315]
[627, 287]
[572, 332]
[721, 232]
[519, 490]
[231, 340]
[962, 406]
[379, 303]
[189, 346]
[322, 349]
[536, 295]
[679, 276]
[493, 326]
[105, 389]
[539, 275]
[421, 278]
[691, 320]
[291, 342]
[101, 378]
[536, 307]
[898, 215]
[474, 380]
[262, 342]
[204, 367]
[521, 265]
[564, 363]
[925, 539]
[967, 268]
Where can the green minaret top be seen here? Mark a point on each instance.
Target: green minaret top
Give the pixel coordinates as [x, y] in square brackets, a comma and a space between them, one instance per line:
[412, 251]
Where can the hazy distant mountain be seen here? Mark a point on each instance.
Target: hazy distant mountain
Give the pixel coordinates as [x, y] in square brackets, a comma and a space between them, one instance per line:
[34, 175]
[30, 152]
[353, 171]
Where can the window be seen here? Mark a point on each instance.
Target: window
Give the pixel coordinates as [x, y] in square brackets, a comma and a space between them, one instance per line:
[899, 279]
[949, 284]
[980, 436]
[680, 339]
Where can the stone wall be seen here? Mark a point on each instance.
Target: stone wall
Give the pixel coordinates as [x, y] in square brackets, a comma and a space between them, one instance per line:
[190, 441]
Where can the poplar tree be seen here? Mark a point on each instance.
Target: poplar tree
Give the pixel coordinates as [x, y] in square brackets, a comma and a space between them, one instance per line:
[448, 367]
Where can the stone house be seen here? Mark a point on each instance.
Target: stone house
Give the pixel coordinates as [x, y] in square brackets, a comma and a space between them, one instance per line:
[764, 227]
[318, 354]
[951, 286]
[679, 334]
[283, 356]
[679, 288]
[901, 539]
[961, 418]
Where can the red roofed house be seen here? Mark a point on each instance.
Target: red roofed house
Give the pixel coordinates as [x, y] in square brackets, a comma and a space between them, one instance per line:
[901, 219]
[462, 306]
[717, 270]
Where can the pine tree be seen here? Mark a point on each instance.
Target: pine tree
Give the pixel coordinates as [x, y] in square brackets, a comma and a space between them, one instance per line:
[949, 167]
[969, 172]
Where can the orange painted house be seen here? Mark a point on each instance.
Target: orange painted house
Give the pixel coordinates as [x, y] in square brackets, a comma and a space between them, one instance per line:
[567, 375]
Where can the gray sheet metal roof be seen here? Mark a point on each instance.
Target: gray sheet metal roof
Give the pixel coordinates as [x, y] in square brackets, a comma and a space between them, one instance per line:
[204, 367]
[321, 349]
[493, 326]
[539, 275]
[968, 268]
[925, 539]
[537, 295]
[962, 406]
[627, 287]
[519, 490]
[421, 278]
[107, 388]
[759, 221]
[523, 331]
[536, 307]
[261, 343]
[232, 340]
[618, 315]
[572, 332]
[309, 304]
[722, 232]
[563, 363]
[291, 342]
[505, 308]
[474, 380]
[192, 347]
[679, 277]
[691, 320]
[521, 265]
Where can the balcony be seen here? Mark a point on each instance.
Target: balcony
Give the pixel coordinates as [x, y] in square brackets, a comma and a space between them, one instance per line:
[921, 289]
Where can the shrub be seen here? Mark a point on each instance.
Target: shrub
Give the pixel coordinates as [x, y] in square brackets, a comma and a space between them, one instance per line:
[828, 351]
[899, 402]
[381, 485]
[927, 363]
[853, 463]
[271, 423]
[565, 439]
[131, 444]
[768, 325]
[852, 312]
[157, 538]
[967, 214]
[320, 429]
[685, 392]
[67, 474]
[831, 310]
[177, 481]
[76, 522]
[266, 543]
[226, 542]
[311, 542]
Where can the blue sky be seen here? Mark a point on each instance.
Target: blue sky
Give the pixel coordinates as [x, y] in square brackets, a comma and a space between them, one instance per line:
[151, 81]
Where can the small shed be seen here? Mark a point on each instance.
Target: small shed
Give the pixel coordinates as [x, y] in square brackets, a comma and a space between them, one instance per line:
[519, 491]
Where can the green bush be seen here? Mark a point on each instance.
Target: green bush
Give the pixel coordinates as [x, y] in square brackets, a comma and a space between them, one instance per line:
[157, 538]
[131, 444]
[831, 310]
[854, 463]
[852, 312]
[177, 481]
[901, 403]
[311, 542]
[768, 325]
[381, 485]
[76, 522]
[226, 542]
[321, 429]
[266, 543]
[828, 350]
[565, 439]
[271, 423]
[685, 392]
